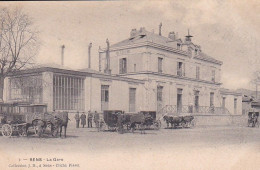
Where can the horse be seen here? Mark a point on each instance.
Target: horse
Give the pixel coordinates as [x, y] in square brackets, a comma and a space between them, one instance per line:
[61, 120]
[187, 120]
[138, 119]
[173, 120]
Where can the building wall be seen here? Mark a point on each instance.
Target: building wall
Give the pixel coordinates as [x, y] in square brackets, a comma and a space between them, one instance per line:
[48, 90]
[230, 103]
[118, 94]
[146, 59]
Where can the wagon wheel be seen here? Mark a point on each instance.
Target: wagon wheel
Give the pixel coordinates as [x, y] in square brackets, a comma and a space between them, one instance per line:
[7, 130]
[183, 124]
[158, 124]
[22, 131]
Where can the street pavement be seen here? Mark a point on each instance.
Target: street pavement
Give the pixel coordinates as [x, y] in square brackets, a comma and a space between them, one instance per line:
[204, 147]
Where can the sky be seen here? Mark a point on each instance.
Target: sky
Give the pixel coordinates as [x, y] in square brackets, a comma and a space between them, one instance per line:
[227, 30]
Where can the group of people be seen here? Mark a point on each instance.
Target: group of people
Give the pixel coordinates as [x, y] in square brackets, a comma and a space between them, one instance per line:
[82, 118]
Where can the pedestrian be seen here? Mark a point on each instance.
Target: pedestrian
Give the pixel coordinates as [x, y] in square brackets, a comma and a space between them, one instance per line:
[77, 119]
[90, 116]
[83, 119]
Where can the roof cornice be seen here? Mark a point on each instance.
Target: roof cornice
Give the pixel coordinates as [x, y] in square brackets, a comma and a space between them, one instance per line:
[172, 76]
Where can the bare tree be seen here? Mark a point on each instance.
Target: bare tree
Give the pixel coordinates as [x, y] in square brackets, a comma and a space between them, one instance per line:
[256, 82]
[18, 42]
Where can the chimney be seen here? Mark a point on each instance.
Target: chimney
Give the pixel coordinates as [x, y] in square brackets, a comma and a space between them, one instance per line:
[99, 59]
[172, 36]
[160, 29]
[107, 70]
[62, 55]
[142, 30]
[188, 37]
[133, 32]
[89, 55]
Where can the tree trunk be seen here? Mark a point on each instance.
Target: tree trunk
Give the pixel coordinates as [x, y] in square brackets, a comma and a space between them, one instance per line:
[1, 88]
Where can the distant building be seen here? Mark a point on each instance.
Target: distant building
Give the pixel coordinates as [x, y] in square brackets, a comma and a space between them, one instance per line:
[147, 71]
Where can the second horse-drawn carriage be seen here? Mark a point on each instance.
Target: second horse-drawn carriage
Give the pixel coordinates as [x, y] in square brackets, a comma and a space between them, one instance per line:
[117, 120]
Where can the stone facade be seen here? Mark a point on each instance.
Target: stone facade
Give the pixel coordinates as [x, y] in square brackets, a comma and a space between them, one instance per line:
[146, 72]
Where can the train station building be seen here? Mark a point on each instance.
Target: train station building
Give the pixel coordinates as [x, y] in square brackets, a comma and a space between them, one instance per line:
[145, 72]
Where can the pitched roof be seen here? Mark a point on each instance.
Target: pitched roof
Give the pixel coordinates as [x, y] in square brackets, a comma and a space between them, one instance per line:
[143, 36]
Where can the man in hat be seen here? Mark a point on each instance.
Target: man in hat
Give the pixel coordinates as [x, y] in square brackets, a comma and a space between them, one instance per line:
[77, 119]
[83, 119]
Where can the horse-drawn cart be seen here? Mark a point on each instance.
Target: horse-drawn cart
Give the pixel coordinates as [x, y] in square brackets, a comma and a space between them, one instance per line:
[17, 118]
[110, 118]
[253, 119]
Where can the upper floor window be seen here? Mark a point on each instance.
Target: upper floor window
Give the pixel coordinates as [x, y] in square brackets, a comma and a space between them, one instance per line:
[178, 46]
[213, 75]
[197, 72]
[211, 102]
[122, 66]
[160, 93]
[160, 60]
[180, 69]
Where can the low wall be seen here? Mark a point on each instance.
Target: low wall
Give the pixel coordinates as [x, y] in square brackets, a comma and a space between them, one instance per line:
[220, 120]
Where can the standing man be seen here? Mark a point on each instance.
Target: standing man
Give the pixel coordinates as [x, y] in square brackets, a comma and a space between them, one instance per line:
[83, 119]
[77, 119]
[90, 116]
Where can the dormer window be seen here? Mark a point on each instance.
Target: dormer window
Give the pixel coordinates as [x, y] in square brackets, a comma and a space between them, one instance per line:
[196, 51]
[178, 46]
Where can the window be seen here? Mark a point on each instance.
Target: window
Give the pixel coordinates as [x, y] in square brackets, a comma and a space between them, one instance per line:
[68, 92]
[132, 94]
[105, 93]
[197, 72]
[134, 67]
[213, 75]
[235, 106]
[104, 97]
[160, 60]
[122, 66]
[180, 69]
[26, 89]
[178, 46]
[196, 51]
[159, 93]
[211, 102]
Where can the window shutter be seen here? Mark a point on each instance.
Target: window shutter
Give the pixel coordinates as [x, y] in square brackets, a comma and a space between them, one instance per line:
[125, 67]
[183, 67]
[120, 66]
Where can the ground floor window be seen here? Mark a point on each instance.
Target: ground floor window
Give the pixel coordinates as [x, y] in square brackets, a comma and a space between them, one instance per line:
[26, 88]
[68, 92]
[104, 97]
[132, 98]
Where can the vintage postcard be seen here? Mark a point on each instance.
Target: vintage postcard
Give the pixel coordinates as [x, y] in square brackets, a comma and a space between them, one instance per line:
[122, 85]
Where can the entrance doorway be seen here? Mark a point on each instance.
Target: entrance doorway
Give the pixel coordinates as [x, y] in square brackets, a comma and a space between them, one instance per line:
[196, 101]
[179, 100]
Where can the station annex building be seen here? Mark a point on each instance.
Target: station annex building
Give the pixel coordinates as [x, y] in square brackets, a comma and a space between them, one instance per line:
[145, 72]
